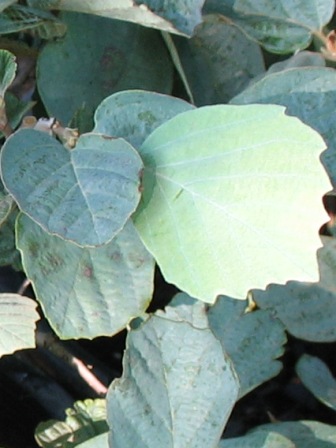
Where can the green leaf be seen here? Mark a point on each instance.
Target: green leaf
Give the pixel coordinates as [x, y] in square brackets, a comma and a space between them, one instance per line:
[183, 308]
[219, 60]
[258, 440]
[281, 26]
[100, 441]
[81, 70]
[134, 114]
[253, 340]
[7, 70]
[5, 3]
[16, 109]
[18, 18]
[178, 388]
[225, 189]
[306, 309]
[85, 195]
[6, 205]
[304, 434]
[316, 376]
[90, 292]
[9, 255]
[309, 94]
[178, 16]
[17, 323]
[82, 423]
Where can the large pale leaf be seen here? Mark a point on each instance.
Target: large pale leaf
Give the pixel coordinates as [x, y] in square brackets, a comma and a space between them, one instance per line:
[304, 434]
[241, 333]
[225, 189]
[308, 93]
[280, 26]
[83, 68]
[178, 16]
[178, 388]
[83, 422]
[219, 60]
[17, 323]
[134, 114]
[84, 195]
[316, 376]
[258, 440]
[89, 291]
[306, 309]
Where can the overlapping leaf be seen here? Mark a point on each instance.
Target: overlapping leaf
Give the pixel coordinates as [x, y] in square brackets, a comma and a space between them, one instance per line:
[179, 16]
[307, 310]
[87, 292]
[309, 94]
[225, 189]
[178, 388]
[282, 26]
[84, 195]
[219, 60]
[253, 340]
[18, 317]
[303, 434]
[81, 70]
[134, 114]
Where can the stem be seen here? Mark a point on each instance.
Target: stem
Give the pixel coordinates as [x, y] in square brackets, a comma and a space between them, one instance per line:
[48, 341]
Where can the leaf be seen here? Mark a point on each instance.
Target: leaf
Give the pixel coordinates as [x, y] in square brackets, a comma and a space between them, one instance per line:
[6, 205]
[215, 178]
[7, 70]
[9, 255]
[282, 26]
[306, 309]
[307, 93]
[258, 440]
[316, 376]
[253, 340]
[85, 195]
[183, 308]
[17, 323]
[18, 18]
[100, 441]
[134, 114]
[90, 292]
[16, 109]
[82, 423]
[178, 388]
[5, 3]
[219, 60]
[81, 70]
[179, 16]
[304, 434]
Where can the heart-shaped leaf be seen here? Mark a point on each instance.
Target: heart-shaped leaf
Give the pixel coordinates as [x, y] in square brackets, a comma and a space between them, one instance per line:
[87, 292]
[85, 195]
[225, 189]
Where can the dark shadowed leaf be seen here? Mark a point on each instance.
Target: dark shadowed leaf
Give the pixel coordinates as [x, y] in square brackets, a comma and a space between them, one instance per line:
[83, 68]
